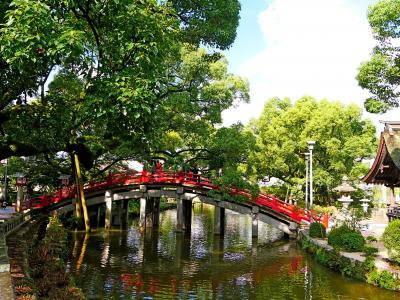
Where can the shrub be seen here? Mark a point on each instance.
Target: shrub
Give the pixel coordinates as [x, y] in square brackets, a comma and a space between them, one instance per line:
[371, 238]
[352, 241]
[317, 230]
[335, 236]
[369, 251]
[382, 279]
[391, 240]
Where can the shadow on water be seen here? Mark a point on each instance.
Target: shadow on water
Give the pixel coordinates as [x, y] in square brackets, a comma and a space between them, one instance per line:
[163, 264]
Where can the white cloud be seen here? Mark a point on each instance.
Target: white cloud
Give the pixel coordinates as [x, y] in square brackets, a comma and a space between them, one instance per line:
[313, 47]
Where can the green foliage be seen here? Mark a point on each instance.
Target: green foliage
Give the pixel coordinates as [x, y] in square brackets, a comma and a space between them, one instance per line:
[352, 242]
[391, 240]
[231, 182]
[336, 234]
[343, 138]
[381, 74]
[201, 18]
[383, 279]
[346, 239]
[47, 264]
[370, 251]
[134, 207]
[332, 259]
[356, 215]
[122, 71]
[69, 223]
[371, 238]
[317, 230]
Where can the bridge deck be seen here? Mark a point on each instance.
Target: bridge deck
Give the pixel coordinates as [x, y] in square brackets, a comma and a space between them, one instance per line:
[174, 180]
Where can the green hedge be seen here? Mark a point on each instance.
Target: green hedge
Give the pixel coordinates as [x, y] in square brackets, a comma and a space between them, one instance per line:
[344, 238]
[391, 239]
[353, 242]
[317, 230]
[335, 236]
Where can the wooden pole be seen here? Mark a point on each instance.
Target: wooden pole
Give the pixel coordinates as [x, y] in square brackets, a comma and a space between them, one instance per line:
[78, 206]
[81, 193]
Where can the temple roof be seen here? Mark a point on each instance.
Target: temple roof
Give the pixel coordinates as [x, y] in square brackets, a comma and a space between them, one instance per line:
[386, 167]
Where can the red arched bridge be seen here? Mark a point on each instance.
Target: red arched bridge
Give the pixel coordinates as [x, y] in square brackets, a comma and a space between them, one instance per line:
[182, 186]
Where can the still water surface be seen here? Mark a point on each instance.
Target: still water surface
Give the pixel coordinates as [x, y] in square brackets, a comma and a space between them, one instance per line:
[164, 265]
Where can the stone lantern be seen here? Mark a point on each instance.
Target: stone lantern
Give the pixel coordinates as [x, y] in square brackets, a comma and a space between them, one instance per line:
[365, 204]
[345, 189]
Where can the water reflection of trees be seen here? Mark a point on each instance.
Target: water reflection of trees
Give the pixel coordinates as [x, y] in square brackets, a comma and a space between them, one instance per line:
[163, 264]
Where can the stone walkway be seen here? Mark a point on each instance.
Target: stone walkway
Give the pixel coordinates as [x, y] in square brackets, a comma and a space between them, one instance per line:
[6, 288]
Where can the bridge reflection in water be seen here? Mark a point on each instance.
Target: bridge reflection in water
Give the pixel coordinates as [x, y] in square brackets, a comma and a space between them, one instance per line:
[164, 264]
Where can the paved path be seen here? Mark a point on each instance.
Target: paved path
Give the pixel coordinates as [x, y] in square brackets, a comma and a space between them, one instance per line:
[7, 292]
[6, 288]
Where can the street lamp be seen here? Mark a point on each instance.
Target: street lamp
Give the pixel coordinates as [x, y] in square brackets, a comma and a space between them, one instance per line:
[311, 148]
[307, 156]
[64, 179]
[4, 194]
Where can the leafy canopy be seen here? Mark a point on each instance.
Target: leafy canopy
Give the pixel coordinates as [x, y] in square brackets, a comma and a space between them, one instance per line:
[381, 74]
[343, 141]
[110, 60]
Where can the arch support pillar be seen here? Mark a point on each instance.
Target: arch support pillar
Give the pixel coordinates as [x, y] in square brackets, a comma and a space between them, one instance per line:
[219, 220]
[254, 221]
[142, 216]
[187, 211]
[156, 212]
[108, 198]
[179, 215]
[183, 215]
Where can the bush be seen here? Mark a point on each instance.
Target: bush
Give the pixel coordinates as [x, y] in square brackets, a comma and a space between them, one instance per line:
[391, 240]
[317, 230]
[369, 251]
[352, 241]
[382, 279]
[335, 236]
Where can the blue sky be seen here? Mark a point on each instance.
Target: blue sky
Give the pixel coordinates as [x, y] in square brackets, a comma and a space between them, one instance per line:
[301, 47]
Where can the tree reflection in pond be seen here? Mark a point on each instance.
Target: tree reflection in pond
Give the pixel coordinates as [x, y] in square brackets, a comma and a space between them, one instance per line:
[165, 265]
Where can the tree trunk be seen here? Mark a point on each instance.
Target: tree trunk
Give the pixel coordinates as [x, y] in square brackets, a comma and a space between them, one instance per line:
[78, 206]
[81, 194]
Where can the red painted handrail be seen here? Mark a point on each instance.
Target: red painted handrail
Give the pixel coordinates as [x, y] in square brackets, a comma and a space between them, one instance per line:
[168, 177]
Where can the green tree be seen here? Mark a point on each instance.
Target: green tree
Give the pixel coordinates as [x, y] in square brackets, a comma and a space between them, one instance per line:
[118, 51]
[192, 107]
[381, 74]
[109, 60]
[343, 141]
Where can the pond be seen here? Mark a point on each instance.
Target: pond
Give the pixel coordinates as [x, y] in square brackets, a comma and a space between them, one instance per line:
[163, 264]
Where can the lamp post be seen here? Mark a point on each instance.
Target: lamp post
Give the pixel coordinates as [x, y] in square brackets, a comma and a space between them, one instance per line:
[311, 148]
[64, 179]
[4, 192]
[20, 181]
[307, 156]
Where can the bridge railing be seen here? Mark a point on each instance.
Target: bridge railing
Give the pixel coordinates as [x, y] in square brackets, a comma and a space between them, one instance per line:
[169, 177]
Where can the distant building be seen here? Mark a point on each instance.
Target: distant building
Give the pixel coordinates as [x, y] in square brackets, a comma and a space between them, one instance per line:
[386, 168]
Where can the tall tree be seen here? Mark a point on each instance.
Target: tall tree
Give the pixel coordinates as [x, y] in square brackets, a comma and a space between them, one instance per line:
[119, 50]
[381, 74]
[343, 141]
[192, 105]
[113, 53]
